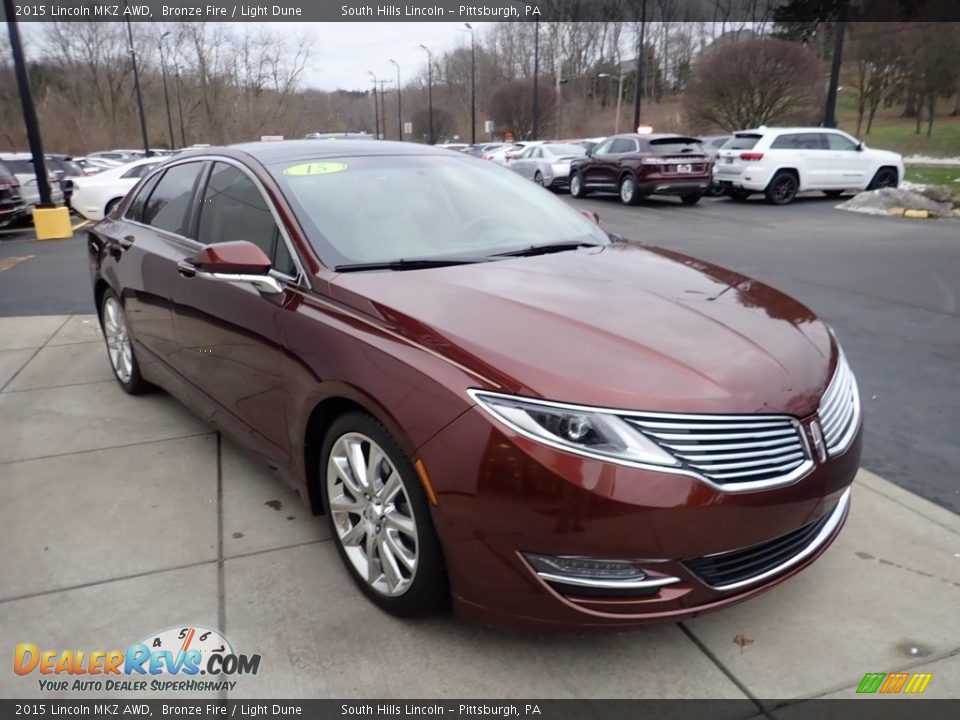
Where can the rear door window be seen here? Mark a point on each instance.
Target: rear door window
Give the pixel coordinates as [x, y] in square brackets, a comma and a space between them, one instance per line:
[171, 201]
[623, 145]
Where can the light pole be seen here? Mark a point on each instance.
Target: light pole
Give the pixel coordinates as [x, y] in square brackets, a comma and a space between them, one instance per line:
[183, 130]
[383, 107]
[136, 87]
[376, 108]
[839, 30]
[473, 85]
[429, 93]
[641, 52]
[536, 79]
[399, 104]
[619, 79]
[166, 95]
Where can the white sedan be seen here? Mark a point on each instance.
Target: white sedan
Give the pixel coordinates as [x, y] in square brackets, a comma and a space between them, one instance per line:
[95, 196]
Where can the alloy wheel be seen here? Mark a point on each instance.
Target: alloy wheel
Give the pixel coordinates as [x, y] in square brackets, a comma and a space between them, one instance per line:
[538, 179]
[627, 190]
[575, 184]
[118, 340]
[885, 179]
[372, 514]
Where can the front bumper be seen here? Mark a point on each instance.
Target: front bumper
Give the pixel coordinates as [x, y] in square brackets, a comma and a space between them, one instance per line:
[501, 495]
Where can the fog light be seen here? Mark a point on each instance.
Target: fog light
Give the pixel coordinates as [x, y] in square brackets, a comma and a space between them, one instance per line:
[585, 568]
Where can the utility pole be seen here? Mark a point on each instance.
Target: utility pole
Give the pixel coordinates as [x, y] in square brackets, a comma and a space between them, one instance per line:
[536, 79]
[26, 105]
[429, 93]
[399, 105]
[641, 52]
[619, 78]
[839, 30]
[166, 95]
[383, 109]
[136, 87]
[376, 107]
[183, 130]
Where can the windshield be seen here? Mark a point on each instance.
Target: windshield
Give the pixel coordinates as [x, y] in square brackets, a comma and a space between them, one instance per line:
[384, 208]
[5, 172]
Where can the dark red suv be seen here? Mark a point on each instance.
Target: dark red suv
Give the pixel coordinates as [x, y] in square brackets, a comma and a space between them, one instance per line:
[635, 166]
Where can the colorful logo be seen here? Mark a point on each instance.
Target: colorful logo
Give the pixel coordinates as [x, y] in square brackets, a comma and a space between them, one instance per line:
[898, 682]
[179, 652]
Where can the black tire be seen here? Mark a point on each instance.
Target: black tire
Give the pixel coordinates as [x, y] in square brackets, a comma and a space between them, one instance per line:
[884, 177]
[538, 178]
[429, 590]
[627, 190]
[690, 198]
[833, 193]
[577, 189]
[782, 189]
[111, 206]
[129, 378]
[715, 190]
[738, 195]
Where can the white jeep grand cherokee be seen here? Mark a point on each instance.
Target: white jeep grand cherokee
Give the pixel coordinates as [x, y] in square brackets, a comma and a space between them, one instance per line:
[780, 162]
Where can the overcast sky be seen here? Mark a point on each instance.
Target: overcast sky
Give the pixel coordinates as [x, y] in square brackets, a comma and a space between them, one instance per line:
[344, 52]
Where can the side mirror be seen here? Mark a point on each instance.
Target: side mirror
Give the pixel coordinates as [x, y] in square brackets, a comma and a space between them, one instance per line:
[590, 152]
[236, 261]
[860, 146]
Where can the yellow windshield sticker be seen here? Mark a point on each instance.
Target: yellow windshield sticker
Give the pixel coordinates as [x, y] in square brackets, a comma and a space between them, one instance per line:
[317, 168]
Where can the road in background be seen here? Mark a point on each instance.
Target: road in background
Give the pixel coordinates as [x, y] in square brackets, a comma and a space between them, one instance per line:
[888, 286]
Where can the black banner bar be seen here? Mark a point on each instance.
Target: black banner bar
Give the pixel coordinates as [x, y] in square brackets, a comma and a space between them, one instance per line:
[724, 11]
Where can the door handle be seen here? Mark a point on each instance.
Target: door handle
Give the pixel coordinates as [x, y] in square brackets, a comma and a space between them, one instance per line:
[186, 269]
[116, 246]
[125, 242]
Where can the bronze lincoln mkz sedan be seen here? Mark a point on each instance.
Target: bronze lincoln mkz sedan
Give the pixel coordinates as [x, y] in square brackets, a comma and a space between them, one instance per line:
[491, 399]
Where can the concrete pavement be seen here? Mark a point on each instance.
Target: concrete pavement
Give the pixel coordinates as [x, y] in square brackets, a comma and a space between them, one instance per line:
[126, 515]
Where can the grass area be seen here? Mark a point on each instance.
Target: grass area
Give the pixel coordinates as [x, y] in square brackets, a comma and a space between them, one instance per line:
[946, 176]
[892, 132]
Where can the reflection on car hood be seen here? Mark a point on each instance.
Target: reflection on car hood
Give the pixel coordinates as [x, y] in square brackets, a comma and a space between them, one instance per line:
[622, 326]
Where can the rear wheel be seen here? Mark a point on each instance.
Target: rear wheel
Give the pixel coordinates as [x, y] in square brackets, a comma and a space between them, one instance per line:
[538, 178]
[380, 519]
[576, 186]
[738, 195]
[120, 347]
[782, 189]
[885, 177]
[690, 198]
[628, 190]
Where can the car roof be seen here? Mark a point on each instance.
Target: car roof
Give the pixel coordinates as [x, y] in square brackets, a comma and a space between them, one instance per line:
[289, 150]
[762, 130]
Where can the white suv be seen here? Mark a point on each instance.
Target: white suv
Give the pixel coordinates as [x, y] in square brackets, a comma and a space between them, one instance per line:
[780, 162]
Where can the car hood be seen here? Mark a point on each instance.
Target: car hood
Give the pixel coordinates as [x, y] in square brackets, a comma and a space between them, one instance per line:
[886, 156]
[623, 326]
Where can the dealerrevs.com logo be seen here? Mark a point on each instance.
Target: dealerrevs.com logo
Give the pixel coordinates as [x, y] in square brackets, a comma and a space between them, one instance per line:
[172, 660]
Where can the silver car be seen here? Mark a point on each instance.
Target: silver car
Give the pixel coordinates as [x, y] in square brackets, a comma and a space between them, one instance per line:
[548, 164]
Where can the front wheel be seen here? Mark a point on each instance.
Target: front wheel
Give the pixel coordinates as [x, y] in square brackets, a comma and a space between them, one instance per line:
[538, 178]
[884, 178]
[782, 189]
[113, 320]
[690, 198]
[576, 186]
[380, 519]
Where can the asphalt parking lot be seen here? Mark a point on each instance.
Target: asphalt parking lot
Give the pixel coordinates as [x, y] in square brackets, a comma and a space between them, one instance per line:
[136, 505]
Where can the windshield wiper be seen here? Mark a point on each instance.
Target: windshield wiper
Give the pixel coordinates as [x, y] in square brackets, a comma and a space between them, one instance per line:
[411, 264]
[545, 249]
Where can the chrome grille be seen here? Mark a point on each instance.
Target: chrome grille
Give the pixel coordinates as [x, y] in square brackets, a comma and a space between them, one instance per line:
[840, 409]
[746, 451]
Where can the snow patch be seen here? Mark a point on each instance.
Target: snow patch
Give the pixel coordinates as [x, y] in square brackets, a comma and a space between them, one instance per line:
[928, 160]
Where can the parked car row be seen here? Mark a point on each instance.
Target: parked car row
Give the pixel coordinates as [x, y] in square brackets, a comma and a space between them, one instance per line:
[779, 163]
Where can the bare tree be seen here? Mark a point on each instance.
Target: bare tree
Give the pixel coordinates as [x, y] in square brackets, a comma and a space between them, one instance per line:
[511, 107]
[755, 82]
[877, 68]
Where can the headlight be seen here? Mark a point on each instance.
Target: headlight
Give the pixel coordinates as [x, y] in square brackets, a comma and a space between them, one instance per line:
[583, 430]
